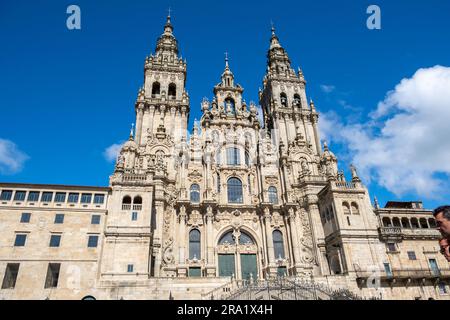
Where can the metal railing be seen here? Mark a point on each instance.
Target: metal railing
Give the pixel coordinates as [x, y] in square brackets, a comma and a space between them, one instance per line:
[280, 288]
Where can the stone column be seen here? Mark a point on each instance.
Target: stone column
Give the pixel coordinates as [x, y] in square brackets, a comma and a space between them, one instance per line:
[158, 241]
[294, 238]
[182, 235]
[172, 127]
[151, 110]
[269, 241]
[139, 116]
[314, 119]
[210, 267]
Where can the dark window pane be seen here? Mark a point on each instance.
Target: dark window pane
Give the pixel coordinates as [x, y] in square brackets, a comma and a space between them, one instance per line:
[60, 197]
[25, 218]
[134, 216]
[95, 219]
[278, 244]
[9, 280]
[20, 240]
[195, 193]
[234, 190]
[99, 198]
[59, 218]
[73, 197]
[20, 195]
[33, 196]
[245, 239]
[51, 281]
[227, 238]
[6, 195]
[86, 198]
[273, 195]
[130, 268]
[92, 242]
[412, 255]
[55, 240]
[194, 244]
[47, 197]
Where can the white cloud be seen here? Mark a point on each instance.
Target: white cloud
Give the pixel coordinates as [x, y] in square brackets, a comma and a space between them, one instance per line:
[405, 146]
[11, 158]
[327, 88]
[112, 151]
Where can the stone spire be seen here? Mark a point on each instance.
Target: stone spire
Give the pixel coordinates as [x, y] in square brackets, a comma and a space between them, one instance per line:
[278, 61]
[227, 75]
[167, 44]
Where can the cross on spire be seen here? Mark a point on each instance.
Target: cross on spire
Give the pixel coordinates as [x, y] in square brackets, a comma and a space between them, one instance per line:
[170, 10]
[226, 58]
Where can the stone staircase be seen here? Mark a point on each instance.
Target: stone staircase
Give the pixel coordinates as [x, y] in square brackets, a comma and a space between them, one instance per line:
[280, 288]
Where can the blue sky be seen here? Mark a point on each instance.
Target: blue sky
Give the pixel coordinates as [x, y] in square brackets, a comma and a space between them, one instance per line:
[66, 96]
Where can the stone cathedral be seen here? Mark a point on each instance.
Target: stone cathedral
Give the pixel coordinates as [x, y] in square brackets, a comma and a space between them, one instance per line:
[188, 215]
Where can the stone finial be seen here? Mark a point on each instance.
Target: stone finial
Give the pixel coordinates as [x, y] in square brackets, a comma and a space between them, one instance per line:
[375, 202]
[311, 104]
[132, 132]
[355, 177]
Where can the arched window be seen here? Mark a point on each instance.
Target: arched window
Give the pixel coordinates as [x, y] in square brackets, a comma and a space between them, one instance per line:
[273, 195]
[244, 238]
[346, 207]
[234, 187]
[233, 157]
[278, 245]
[355, 209]
[137, 200]
[396, 222]
[423, 223]
[172, 91]
[405, 223]
[297, 101]
[194, 244]
[156, 88]
[195, 193]
[414, 223]
[283, 98]
[230, 106]
[387, 222]
[126, 200]
[227, 238]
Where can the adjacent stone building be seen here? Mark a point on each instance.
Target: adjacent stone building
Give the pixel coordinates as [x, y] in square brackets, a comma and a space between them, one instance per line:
[236, 199]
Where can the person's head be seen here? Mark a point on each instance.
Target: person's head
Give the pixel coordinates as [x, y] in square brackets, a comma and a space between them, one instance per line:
[445, 248]
[442, 217]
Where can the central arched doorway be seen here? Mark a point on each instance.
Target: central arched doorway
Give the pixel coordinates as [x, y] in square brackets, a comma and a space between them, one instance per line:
[238, 255]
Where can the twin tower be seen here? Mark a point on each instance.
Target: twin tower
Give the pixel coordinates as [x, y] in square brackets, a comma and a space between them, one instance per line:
[234, 197]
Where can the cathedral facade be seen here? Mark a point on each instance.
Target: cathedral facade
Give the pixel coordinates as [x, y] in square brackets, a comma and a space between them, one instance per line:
[234, 200]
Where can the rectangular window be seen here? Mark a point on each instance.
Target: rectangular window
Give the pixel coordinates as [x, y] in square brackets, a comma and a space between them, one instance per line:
[60, 197]
[391, 247]
[25, 218]
[47, 197]
[130, 268]
[20, 195]
[9, 280]
[99, 198]
[95, 219]
[434, 267]
[233, 157]
[412, 255]
[92, 241]
[86, 198]
[51, 281]
[442, 288]
[55, 240]
[20, 240]
[33, 196]
[59, 218]
[134, 216]
[387, 269]
[73, 197]
[6, 195]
